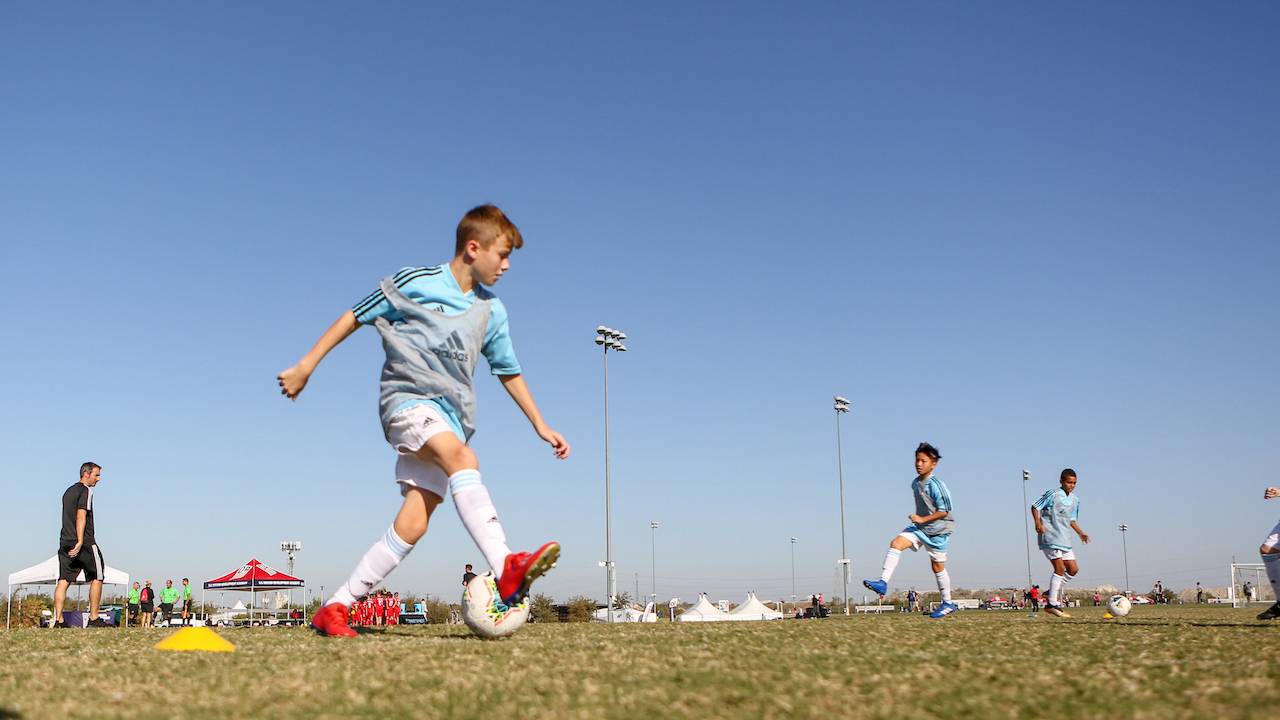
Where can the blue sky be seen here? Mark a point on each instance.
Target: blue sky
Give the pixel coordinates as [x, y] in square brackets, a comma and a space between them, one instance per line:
[1034, 236]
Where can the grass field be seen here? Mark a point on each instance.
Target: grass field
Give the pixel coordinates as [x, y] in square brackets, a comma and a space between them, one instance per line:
[1166, 662]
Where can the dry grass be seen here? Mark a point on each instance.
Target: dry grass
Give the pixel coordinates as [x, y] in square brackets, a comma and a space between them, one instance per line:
[1160, 662]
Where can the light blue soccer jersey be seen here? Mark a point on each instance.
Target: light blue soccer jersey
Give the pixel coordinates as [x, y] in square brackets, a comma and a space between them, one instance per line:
[437, 288]
[931, 496]
[1057, 511]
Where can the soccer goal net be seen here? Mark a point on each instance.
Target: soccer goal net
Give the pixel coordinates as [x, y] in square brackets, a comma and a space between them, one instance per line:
[1249, 584]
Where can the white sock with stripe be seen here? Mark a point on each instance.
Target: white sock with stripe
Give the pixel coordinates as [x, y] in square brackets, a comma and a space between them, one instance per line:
[378, 562]
[1271, 561]
[890, 564]
[480, 517]
[1055, 588]
[944, 584]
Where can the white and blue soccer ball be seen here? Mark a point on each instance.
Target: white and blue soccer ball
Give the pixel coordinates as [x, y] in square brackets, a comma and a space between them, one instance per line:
[1119, 605]
[484, 612]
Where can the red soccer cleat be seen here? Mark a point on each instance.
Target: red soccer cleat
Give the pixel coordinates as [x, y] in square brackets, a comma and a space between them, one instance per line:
[521, 569]
[331, 621]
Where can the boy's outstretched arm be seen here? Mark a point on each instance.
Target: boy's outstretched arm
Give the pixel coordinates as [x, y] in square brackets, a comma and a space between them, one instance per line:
[1271, 492]
[295, 378]
[1084, 536]
[519, 392]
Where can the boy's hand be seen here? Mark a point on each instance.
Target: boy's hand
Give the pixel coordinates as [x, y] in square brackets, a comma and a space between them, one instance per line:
[74, 551]
[1039, 528]
[917, 519]
[293, 380]
[1272, 492]
[1084, 537]
[556, 440]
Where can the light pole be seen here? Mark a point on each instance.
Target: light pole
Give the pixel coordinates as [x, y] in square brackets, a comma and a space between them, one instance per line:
[653, 559]
[609, 339]
[841, 407]
[290, 548]
[1124, 529]
[1026, 523]
[793, 570]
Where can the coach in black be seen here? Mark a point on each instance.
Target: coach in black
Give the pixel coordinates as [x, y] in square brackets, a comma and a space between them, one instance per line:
[77, 549]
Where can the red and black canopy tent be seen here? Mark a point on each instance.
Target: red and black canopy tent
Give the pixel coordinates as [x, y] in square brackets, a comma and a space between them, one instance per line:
[254, 577]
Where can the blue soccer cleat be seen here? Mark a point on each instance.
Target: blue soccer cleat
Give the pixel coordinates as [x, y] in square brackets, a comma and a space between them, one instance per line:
[944, 610]
[878, 587]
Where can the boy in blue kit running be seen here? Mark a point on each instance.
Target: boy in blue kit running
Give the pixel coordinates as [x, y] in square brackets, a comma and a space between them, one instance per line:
[1270, 550]
[931, 526]
[435, 322]
[1055, 515]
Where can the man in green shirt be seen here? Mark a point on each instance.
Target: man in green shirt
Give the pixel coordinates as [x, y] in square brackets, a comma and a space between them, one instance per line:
[186, 601]
[168, 596]
[135, 603]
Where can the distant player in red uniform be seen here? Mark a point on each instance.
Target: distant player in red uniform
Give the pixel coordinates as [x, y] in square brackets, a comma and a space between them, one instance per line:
[395, 609]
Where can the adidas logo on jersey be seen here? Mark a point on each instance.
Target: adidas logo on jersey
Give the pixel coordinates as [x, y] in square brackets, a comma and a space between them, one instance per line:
[452, 350]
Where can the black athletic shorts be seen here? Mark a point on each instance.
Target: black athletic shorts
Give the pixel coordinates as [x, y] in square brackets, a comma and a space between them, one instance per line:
[166, 608]
[148, 607]
[89, 561]
[186, 605]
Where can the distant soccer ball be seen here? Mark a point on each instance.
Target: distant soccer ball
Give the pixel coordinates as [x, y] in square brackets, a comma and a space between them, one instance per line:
[1119, 605]
[486, 614]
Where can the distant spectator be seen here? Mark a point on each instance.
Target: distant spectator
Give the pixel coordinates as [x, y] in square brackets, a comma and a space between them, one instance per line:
[913, 600]
[467, 575]
[186, 601]
[1199, 594]
[147, 598]
[1034, 597]
[135, 601]
[168, 596]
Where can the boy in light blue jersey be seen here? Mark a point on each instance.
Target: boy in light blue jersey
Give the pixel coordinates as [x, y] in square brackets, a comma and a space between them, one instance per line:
[1055, 515]
[1270, 551]
[931, 527]
[434, 323]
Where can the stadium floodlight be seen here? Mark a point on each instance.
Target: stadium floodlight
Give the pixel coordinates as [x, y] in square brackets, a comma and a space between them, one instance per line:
[610, 339]
[653, 559]
[842, 406]
[1124, 530]
[793, 571]
[1026, 525]
[291, 548]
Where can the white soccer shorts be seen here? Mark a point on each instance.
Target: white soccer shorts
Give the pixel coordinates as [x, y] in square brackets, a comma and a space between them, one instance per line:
[917, 543]
[1056, 554]
[408, 431]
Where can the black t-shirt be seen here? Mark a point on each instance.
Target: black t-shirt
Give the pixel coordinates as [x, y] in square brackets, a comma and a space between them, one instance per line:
[466, 577]
[77, 497]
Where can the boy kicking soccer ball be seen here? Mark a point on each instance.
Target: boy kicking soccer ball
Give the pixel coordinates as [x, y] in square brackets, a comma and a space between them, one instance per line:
[435, 322]
[931, 526]
[1271, 560]
[1054, 515]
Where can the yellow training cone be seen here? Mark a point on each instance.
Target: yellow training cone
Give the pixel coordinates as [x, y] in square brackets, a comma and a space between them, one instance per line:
[1107, 616]
[196, 638]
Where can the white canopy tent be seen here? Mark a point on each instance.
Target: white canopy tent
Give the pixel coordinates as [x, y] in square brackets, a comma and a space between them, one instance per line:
[46, 573]
[703, 611]
[753, 609]
[627, 615]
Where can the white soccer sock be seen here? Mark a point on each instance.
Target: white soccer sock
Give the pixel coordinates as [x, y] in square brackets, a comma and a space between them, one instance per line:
[1271, 561]
[377, 563]
[890, 564]
[480, 517]
[944, 585]
[1055, 588]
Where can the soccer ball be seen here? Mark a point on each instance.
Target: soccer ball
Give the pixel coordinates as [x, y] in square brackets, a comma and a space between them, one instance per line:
[486, 614]
[1119, 605]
